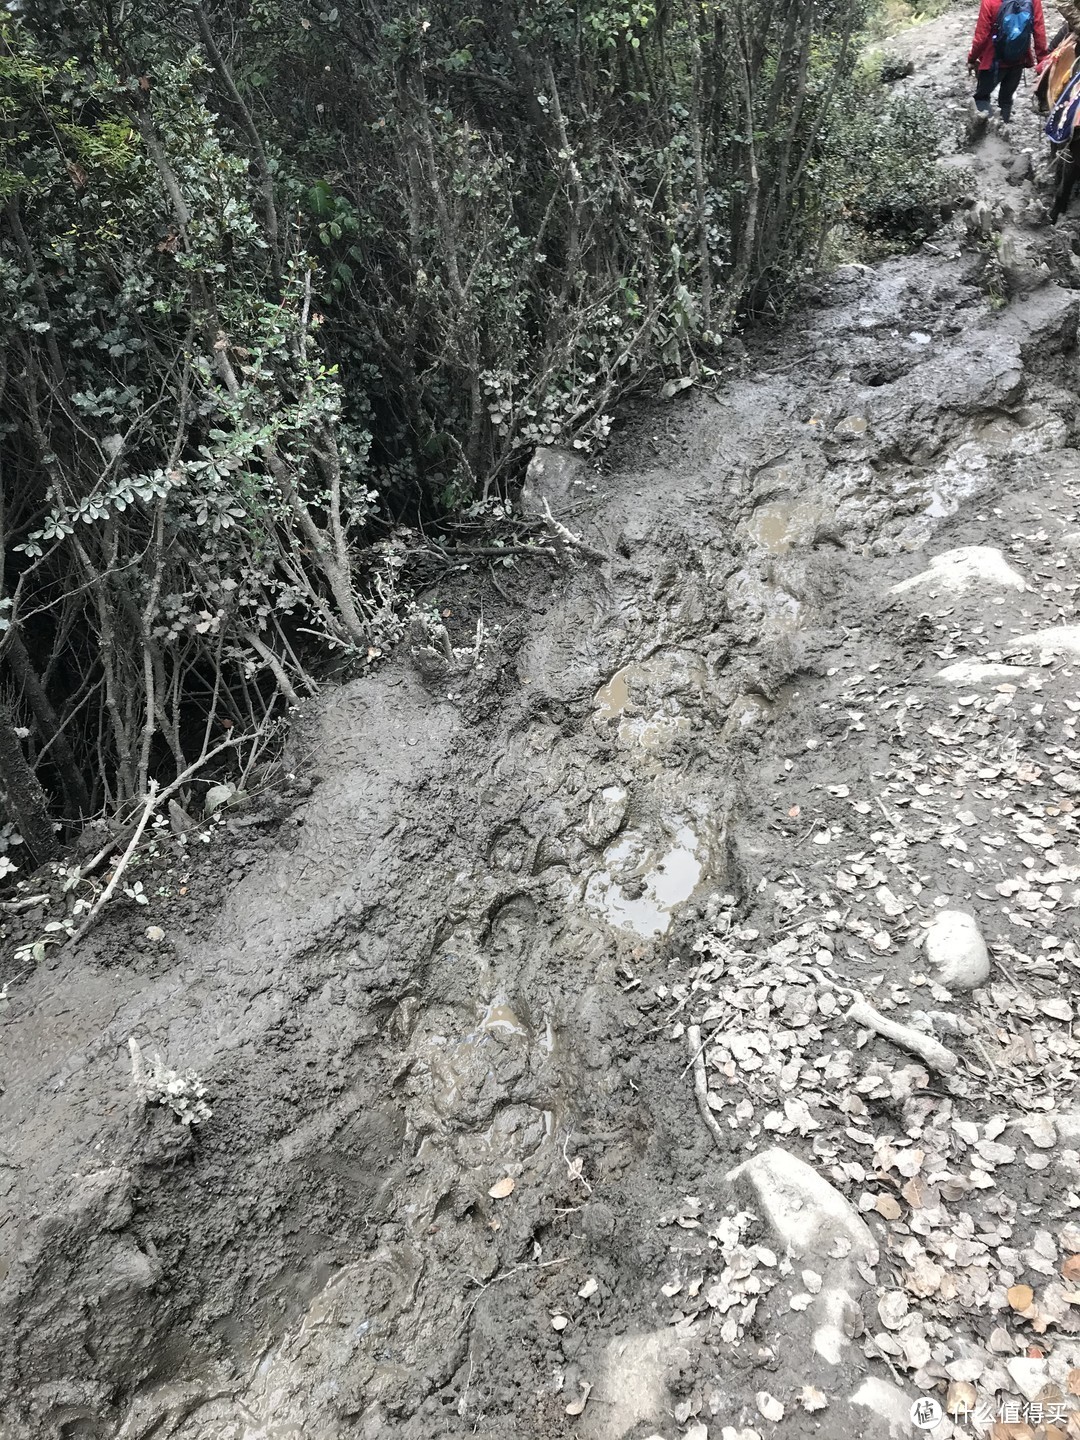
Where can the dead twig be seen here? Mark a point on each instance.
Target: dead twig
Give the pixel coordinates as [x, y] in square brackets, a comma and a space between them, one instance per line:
[701, 1084]
[483, 1285]
[153, 799]
[575, 542]
[23, 903]
[181, 780]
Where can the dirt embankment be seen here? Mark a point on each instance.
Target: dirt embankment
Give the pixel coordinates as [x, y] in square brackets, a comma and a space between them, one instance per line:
[475, 955]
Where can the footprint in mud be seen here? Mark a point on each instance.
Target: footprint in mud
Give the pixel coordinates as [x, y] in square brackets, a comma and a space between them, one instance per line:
[648, 699]
[510, 939]
[779, 525]
[643, 884]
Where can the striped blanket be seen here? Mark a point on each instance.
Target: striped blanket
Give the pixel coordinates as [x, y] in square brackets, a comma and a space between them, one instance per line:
[1062, 122]
[1055, 72]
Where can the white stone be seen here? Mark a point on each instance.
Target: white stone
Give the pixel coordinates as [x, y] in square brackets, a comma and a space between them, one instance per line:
[965, 569]
[1029, 1376]
[552, 474]
[816, 1223]
[628, 1385]
[1058, 640]
[837, 1316]
[957, 951]
[889, 1404]
[979, 672]
[804, 1210]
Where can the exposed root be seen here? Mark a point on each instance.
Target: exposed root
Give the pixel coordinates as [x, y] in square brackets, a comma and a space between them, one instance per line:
[939, 1057]
[701, 1084]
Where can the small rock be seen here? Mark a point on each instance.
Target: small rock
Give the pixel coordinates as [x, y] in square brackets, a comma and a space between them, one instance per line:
[963, 569]
[770, 1407]
[1061, 640]
[551, 476]
[977, 672]
[180, 822]
[1029, 1376]
[889, 1404]
[1020, 169]
[956, 951]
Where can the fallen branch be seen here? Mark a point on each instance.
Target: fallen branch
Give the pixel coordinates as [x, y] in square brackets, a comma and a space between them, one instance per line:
[575, 542]
[701, 1085]
[170, 789]
[496, 550]
[25, 903]
[939, 1057]
[153, 799]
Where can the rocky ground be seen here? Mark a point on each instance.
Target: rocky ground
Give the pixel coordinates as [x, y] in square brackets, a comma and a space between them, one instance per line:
[662, 1024]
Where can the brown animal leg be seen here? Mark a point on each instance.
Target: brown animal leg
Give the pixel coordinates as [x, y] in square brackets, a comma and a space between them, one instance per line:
[1068, 162]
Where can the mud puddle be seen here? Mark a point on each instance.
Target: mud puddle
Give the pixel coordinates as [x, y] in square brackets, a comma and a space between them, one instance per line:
[648, 699]
[780, 524]
[642, 885]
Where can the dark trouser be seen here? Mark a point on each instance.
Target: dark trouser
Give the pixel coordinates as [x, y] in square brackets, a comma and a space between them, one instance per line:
[1004, 78]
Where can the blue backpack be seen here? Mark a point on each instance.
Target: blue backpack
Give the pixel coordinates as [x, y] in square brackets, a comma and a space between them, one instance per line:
[1015, 27]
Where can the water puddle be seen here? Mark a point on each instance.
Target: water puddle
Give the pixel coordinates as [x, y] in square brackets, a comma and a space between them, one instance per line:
[654, 733]
[780, 524]
[750, 712]
[499, 1016]
[642, 886]
[613, 698]
[962, 475]
[648, 690]
[939, 506]
[997, 432]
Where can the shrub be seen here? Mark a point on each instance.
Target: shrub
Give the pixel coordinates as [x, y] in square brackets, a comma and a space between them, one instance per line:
[882, 167]
[277, 275]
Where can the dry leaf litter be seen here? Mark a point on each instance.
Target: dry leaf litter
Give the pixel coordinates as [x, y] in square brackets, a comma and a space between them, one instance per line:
[969, 1180]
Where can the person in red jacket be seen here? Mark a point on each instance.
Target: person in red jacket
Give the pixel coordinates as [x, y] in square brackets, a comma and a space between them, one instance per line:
[993, 57]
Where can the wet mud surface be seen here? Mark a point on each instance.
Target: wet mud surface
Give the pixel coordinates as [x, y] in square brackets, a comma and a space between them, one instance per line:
[457, 963]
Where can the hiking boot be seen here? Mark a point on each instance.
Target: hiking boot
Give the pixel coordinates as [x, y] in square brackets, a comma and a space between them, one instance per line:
[977, 119]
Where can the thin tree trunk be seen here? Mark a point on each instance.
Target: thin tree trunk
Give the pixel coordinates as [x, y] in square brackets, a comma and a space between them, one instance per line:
[262, 167]
[25, 797]
[50, 726]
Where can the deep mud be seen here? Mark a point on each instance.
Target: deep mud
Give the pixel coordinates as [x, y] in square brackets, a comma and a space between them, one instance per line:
[455, 962]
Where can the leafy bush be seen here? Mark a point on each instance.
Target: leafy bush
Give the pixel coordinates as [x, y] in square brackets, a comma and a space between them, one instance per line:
[882, 165]
[891, 16]
[276, 275]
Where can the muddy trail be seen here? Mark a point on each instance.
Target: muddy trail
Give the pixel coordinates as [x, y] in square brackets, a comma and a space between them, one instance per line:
[548, 1039]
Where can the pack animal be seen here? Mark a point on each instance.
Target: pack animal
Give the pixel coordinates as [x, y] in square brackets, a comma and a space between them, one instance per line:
[1058, 95]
